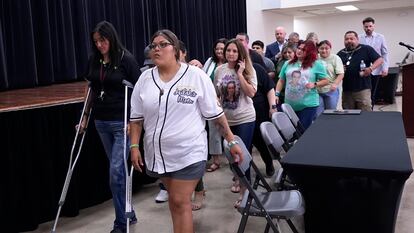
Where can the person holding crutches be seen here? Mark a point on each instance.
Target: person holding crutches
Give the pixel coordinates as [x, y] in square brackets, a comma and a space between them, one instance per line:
[109, 65]
[171, 103]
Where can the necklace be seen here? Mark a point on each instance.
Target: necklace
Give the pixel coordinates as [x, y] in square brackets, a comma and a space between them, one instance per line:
[102, 76]
[349, 55]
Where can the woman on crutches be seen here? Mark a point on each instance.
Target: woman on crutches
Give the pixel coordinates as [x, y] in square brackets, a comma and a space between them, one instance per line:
[171, 103]
[109, 65]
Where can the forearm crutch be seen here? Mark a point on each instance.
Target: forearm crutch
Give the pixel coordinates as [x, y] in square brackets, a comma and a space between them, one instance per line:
[71, 162]
[128, 178]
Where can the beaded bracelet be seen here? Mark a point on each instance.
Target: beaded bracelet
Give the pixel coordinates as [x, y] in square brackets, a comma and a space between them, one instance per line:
[133, 146]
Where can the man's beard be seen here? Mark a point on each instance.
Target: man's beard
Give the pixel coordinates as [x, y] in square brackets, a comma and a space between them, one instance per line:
[349, 47]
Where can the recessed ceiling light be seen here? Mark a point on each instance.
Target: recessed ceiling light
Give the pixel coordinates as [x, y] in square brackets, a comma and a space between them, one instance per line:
[347, 8]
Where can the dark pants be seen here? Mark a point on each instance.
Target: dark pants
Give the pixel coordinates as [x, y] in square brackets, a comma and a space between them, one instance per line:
[260, 145]
[375, 79]
[307, 116]
[245, 132]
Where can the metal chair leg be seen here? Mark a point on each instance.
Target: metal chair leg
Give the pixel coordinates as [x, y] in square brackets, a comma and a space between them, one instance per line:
[292, 226]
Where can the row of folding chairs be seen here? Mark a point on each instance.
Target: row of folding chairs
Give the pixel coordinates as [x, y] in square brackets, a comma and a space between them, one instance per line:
[259, 199]
[279, 136]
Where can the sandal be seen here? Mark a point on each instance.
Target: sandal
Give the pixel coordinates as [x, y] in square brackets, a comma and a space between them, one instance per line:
[198, 200]
[238, 202]
[235, 188]
[214, 166]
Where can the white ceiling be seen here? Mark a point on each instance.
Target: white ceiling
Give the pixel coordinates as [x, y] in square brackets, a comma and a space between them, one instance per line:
[309, 8]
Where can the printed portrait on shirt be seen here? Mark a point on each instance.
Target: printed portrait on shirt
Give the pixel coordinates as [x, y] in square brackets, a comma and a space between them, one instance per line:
[230, 90]
[296, 81]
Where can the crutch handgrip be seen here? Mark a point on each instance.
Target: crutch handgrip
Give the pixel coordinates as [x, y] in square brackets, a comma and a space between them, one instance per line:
[65, 188]
[127, 83]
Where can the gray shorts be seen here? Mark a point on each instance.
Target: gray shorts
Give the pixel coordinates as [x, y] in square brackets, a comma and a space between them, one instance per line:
[192, 172]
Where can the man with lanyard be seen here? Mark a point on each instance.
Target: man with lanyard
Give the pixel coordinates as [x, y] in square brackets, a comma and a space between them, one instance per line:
[376, 41]
[357, 80]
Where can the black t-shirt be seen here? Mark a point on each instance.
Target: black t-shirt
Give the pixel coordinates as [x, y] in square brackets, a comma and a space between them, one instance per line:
[260, 101]
[352, 80]
[107, 79]
[257, 58]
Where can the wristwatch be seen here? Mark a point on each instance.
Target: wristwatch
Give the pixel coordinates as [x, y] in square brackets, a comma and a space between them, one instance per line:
[274, 106]
[277, 93]
[233, 143]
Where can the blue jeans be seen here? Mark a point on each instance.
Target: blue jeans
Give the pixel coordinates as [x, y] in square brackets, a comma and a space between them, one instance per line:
[328, 100]
[112, 137]
[245, 132]
[307, 116]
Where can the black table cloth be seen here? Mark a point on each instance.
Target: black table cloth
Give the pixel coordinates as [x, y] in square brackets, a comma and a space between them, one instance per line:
[351, 170]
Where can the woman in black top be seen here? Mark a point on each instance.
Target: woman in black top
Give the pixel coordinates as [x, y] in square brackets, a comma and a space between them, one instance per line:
[109, 65]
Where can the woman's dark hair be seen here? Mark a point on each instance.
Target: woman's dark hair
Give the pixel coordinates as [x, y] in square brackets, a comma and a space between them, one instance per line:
[227, 86]
[289, 45]
[183, 49]
[170, 37]
[214, 56]
[311, 54]
[106, 30]
[327, 42]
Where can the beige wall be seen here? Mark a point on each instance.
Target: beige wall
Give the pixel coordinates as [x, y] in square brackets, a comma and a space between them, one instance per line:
[396, 25]
[261, 25]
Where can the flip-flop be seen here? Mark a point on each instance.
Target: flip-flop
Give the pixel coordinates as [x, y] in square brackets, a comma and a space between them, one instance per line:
[198, 201]
[235, 188]
[238, 202]
[214, 166]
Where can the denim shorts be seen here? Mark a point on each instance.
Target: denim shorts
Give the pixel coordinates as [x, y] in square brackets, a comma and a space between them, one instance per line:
[192, 172]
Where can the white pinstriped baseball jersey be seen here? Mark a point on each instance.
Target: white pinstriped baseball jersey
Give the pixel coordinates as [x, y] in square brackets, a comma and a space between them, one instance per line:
[174, 115]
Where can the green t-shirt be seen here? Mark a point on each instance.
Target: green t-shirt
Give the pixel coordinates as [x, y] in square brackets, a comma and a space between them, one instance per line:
[334, 67]
[296, 78]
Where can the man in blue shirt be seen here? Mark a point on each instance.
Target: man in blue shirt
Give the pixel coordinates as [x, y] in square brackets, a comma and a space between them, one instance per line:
[376, 41]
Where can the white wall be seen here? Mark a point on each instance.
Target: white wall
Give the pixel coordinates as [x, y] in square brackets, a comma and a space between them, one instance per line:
[395, 25]
[261, 25]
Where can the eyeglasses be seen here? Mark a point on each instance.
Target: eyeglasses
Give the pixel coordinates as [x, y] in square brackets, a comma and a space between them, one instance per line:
[160, 45]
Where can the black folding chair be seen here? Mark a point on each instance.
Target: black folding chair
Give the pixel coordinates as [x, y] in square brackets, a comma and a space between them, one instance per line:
[268, 204]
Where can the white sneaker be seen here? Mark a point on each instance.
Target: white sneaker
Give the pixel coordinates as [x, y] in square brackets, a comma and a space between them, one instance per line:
[162, 196]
